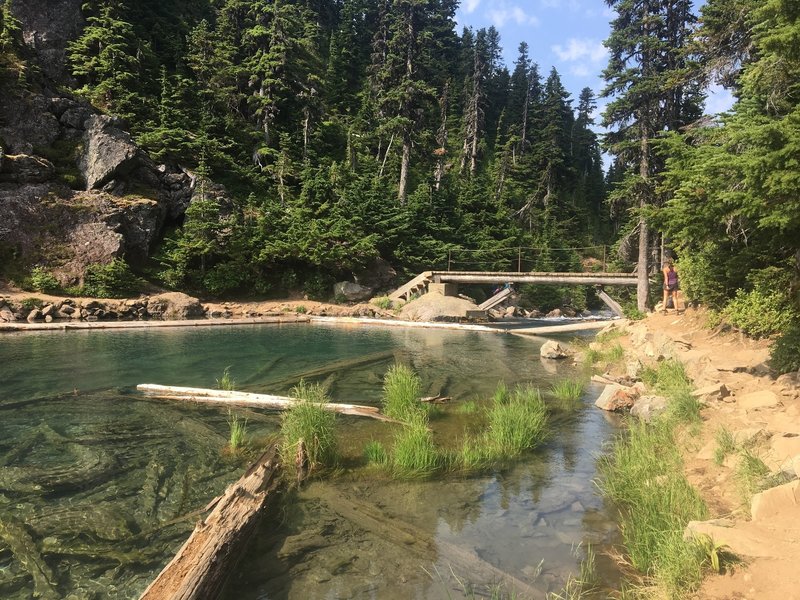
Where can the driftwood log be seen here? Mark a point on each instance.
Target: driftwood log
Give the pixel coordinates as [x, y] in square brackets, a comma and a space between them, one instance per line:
[231, 398]
[200, 568]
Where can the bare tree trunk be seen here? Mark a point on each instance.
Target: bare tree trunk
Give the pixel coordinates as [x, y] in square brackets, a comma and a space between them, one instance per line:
[405, 161]
[642, 267]
[441, 151]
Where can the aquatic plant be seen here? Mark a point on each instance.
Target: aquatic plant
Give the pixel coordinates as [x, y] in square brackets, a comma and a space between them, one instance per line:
[467, 407]
[414, 455]
[517, 421]
[226, 382]
[238, 430]
[644, 477]
[375, 453]
[401, 392]
[472, 456]
[567, 391]
[308, 421]
[585, 584]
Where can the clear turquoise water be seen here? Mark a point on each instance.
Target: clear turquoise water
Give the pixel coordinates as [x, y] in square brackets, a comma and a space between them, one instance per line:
[94, 478]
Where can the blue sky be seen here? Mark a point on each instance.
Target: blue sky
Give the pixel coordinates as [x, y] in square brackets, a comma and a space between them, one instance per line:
[567, 34]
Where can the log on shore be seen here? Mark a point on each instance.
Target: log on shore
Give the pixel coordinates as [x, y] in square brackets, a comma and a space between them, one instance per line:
[200, 568]
[246, 399]
[551, 329]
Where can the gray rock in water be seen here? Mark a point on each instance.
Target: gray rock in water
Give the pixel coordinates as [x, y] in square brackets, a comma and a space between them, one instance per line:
[617, 398]
[553, 350]
[352, 291]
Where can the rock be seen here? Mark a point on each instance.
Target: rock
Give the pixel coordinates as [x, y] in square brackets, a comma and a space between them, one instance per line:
[784, 449]
[758, 400]
[48, 319]
[616, 398]
[377, 274]
[648, 408]
[75, 117]
[742, 541]
[595, 346]
[553, 350]
[26, 169]
[352, 291]
[633, 368]
[6, 315]
[510, 311]
[709, 393]
[750, 436]
[554, 313]
[174, 306]
[568, 311]
[34, 315]
[783, 499]
[109, 152]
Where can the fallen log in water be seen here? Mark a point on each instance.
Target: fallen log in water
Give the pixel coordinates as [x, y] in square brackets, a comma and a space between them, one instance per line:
[201, 566]
[461, 559]
[231, 398]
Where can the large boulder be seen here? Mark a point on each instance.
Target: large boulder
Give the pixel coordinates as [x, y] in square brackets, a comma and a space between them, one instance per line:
[617, 398]
[377, 274]
[649, 408]
[352, 292]
[22, 168]
[436, 307]
[554, 350]
[109, 152]
[174, 306]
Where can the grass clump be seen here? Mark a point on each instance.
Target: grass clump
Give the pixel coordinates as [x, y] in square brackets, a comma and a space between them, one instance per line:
[726, 444]
[414, 454]
[644, 477]
[384, 303]
[300, 309]
[238, 431]
[517, 421]
[308, 421]
[670, 379]
[226, 382]
[401, 392]
[751, 474]
[375, 453]
[467, 408]
[567, 391]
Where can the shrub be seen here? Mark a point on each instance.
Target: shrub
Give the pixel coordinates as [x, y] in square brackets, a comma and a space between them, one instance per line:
[758, 313]
[43, 281]
[112, 280]
[785, 353]
[309, 421]
[375, 453]
[300, 309]
[384, 303]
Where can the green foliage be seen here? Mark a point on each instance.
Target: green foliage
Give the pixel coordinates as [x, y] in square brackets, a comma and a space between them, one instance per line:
[414, 454]
[751, 475]
[567, 391]
[644, 477]
[384, 303]
[41, 280]
[785, 351]
[517, 421]
[226, 382]
[300, 309]
[758, 313]
[375, 453]
[31, 303]
[110, 280]
[238, 430]
[726, 444]
[308, 421]
[670, 379]
[467, 407]
[401, 393]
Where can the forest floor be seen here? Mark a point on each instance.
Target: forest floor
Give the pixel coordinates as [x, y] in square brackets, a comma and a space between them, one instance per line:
[762, 414]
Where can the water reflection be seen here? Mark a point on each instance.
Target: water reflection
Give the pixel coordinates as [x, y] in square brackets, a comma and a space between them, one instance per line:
[96, 481]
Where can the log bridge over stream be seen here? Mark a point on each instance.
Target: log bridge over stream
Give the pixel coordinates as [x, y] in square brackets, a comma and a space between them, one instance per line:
[446, 283]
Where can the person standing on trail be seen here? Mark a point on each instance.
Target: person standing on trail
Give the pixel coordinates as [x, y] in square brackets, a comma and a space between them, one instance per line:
[670, 285]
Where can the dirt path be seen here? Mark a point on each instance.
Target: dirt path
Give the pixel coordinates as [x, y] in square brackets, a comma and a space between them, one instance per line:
[762, 413]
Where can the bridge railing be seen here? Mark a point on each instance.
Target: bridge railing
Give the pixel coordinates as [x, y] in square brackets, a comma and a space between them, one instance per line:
[525, 258]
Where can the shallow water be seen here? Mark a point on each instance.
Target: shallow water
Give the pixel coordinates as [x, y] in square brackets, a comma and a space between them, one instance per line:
[95, 478]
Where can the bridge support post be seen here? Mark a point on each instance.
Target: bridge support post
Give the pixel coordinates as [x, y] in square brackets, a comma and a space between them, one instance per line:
[445, 289]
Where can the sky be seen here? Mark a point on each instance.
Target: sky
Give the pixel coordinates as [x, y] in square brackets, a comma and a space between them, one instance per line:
[566, 34]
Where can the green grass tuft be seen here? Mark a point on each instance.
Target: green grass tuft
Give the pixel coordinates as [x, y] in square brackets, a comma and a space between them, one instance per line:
[414, 455]
[309, 421]
[401, 393]
[375, 453]
[238, 431]
[384, 303]
[567, 391]
[751, 475]
[517, 422]
[226, 382]
[726, 445]
[467, 408]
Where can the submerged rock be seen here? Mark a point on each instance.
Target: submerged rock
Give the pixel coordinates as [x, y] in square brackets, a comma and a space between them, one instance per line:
[554, 350]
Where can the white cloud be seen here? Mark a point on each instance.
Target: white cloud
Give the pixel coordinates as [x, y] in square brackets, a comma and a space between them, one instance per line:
[579, 70]
[503, 13]
[581, 50]
[571, 5]
[470, 6]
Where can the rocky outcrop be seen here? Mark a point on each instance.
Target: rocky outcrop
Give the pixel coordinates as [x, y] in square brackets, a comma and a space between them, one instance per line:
[174, 306]
[352, 292]
[26, 169]
[109, 154]
[169, 306]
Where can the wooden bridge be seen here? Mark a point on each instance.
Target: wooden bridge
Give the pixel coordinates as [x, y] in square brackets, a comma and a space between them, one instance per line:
[420, 284]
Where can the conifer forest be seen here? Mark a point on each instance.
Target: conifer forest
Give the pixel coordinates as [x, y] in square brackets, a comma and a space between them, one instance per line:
[345, 130]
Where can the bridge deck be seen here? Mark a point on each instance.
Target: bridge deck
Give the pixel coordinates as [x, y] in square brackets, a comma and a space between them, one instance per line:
[533, 277]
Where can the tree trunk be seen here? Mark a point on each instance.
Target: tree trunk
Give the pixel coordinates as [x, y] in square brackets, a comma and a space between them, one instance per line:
[402, 190]
[202, 565]
[642, 266]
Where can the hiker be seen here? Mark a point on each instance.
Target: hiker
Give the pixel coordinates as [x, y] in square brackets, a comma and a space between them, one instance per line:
[670, 285]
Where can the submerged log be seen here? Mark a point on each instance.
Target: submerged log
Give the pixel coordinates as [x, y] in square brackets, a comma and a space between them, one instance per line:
[231, 398]
[202, 565]
[422, 543]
